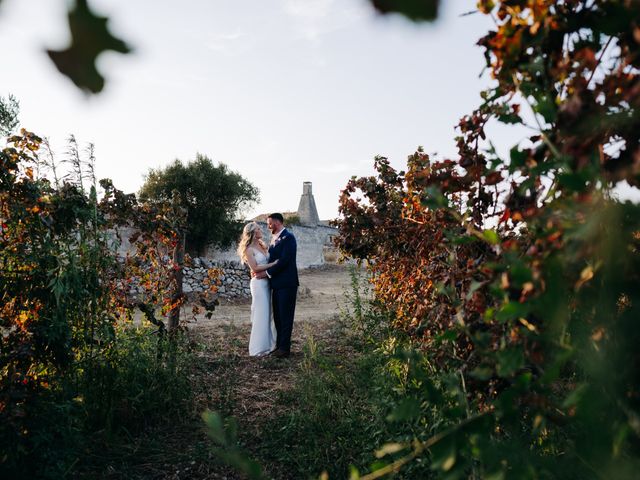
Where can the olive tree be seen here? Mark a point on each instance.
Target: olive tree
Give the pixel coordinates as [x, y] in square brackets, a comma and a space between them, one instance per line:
[213, 195]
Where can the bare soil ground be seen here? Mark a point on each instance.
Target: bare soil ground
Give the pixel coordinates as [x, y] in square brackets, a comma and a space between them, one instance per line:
[320, 297]
[249, 388]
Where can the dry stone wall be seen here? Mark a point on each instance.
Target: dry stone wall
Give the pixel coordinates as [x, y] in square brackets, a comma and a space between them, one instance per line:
[234, 279]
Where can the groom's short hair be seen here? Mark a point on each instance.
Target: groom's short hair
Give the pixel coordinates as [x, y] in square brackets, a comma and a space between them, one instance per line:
[277, 216]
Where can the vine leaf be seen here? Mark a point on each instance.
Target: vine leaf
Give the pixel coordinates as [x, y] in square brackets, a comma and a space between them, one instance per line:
[416, 10]
[89, 38]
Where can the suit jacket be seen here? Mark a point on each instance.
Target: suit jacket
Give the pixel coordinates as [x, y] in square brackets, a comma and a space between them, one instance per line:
[284, 274]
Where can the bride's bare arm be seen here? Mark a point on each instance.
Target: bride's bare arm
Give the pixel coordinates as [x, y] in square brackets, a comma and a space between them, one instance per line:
[262, 268]
[253, 265]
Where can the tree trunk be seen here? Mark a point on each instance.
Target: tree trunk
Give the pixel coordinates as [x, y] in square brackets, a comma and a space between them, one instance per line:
[178, 274]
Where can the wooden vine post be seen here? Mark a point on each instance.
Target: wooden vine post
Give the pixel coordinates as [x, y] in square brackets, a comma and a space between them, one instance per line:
[178, 264]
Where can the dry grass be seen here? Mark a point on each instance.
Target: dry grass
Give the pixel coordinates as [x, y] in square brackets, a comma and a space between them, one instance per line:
[248, 388]
[224, 379]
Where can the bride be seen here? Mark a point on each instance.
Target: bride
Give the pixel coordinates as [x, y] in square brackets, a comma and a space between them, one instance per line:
[253, 252]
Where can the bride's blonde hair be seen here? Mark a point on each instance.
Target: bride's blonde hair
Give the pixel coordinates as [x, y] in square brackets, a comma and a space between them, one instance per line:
[246, 239]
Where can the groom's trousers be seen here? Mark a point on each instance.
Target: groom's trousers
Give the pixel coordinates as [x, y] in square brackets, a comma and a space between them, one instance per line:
[284, 307]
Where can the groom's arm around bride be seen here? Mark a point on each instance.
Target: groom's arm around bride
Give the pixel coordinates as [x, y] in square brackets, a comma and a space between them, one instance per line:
[285, 272]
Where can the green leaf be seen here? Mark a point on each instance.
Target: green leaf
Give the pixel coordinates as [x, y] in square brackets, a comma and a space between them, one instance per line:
[546, 107]
[491, 236]
[9, 110]
[458, 239]
[416, 10]
[553, 370]
[232, 431]
[354, 474]
[518, 157]
[378, 465]
[523, 381]
[434, 198]
[481, 373]
[510, 118]
[509, 361]
[447, 336]
[241, 462]
[519, 274]
[215, 426]
[89, 38]
[506, 404]
[575, 181]
[226, 437]
[443, 454]
[488, 314]
[511, 310]
[574, 397]
[408, 409]
[475, 285]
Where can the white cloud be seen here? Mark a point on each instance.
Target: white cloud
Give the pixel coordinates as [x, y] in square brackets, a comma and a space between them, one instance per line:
[230, 44]
[316, 18]
[312, 9]
[334, 168]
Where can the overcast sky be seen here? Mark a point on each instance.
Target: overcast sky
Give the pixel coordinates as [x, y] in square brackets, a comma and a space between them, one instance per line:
[282, 91]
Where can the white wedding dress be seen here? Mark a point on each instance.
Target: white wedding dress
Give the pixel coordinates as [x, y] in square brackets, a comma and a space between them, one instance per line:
[263, 331]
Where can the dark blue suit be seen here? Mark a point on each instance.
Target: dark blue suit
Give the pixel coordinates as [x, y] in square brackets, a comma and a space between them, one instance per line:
[284, 285]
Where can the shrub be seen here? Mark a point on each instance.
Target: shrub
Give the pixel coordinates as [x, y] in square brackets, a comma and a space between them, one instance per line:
[521, 356]
[71, 363]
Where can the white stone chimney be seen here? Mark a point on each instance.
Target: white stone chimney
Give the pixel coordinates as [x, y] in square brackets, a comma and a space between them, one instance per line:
[307, 210]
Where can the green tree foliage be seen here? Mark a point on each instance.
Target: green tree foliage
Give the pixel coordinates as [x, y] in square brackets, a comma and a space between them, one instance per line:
[213, 195]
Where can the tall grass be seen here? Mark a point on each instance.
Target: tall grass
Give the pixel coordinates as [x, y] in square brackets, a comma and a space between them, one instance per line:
[132, 388]
[333, 417]
[337, 413]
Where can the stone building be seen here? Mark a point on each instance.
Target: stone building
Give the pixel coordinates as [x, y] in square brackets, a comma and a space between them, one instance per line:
[314, 237]
[307, 211]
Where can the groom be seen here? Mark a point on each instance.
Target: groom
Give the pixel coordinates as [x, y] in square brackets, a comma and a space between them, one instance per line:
[283, 277]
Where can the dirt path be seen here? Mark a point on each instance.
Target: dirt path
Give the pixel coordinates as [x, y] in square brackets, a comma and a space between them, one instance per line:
[320, 297]
[249, 389]
[256, 382]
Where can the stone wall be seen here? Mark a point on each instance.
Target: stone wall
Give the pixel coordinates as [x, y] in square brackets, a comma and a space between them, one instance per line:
[235, 278]
[312, 242]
